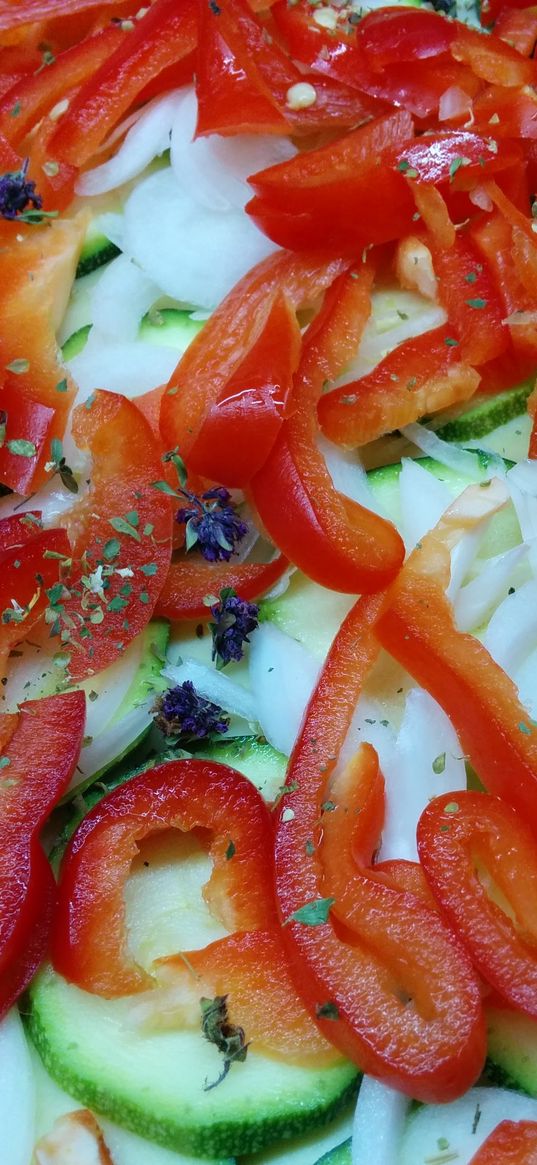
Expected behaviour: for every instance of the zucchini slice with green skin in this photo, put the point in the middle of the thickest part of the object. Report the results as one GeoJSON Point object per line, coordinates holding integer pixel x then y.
{"type": "Point", "coordinates": [512, 1049]}
{"type": "Point", "coordinates": [341, 1155]}
{"type": "Point", "coordinates": [97, 251]}
{"type": "Point", "coordinates": [166, 327]}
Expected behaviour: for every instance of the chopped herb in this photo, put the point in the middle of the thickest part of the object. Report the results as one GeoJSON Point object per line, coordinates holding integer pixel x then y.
{"type": "Point", "coordinates": [309, 847]}
{"type": "Point", "coordinates": [477, 1118]}
{"type": "Point", "coordinates": [228, 1037]}
{"type": "Point", "coordinates": [439, 763]}
{"type": "Point", "coordinates": [58, 465]}
{"type": "Point", "coordinates": [230, 852]}
{"type": "Point", "coordinates": [4, 762]}
{"type": "Point", "coordinates": [451, 807]}
{"type": "Point", "coordinates": [149, 569]}
{"type": "Point", "coordinates": [477, 303]}
{"type": "Point", "coordinates": [21, 448]}
{"type": "Point", "coordinates": [450, 342]}
{"type": "Point", "coordinates": [111, 549]}
{"type": "Point", "coordinates": [123, 526]}
{"type": "Point", "coordinates": [524, 728]}
{"type": "Point", "coordinates": [19, 367]}
{"type": "Point", "coordinates": [62, 385]}
{"type": "Point", "coordinates": [18, 197]}
{"type": "Point", "coordinates": [313, 913]}
{"type": "Point", "coordinates": [327, 1011]}
{"type": "Point", "coordinates": [456, 165]}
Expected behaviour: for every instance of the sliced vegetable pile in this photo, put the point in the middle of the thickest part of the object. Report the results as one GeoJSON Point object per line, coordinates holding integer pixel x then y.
{"type": "Point", "coordinates": [238, 243]}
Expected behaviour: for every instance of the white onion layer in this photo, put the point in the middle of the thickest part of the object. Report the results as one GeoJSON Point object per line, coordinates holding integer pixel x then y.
{"type": "Point", "coordinates": [147, 139]}
{"type": "Point", "coordinates": [463, 1125]}
{"type": "Point", "coordinates": [194, 254]}
{"type": "Point", "coordinates": [378, 1123]}
{"type": "Point", "coordinates": [475, 601]}
{"type": "Point", "coordinates": [512, 631]}
{"type": "Point", "coordinates": [467, 464]}
{"type": "Point", "coordinates": [283, 675]}
{"type": "Point", "coordinates": [111, 744]}
{"type": "Point", "coordinates": [423, 500]}
{"type": "Point", "coordinates": [17, 1091]}
{"type": "Point", "coordinates": [129, 368]}
{"type": "Point", "coordinates": [120, 299]}
{"type": "Point", "coordinates": [348, 474]}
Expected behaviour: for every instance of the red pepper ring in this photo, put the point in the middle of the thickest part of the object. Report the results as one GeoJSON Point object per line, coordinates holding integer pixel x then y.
{"type": "Point", "coordinates": [50, 731]}
{"type": "Point", "coordinates": [466, 842]}
{"type": "Point", "coordinates": [89, 945]}
{"type": "Point", "coordinates": [434, 1054]}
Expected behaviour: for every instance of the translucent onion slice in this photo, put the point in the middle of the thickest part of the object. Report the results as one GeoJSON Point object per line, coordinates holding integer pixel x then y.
{"type": "Point", "coordinates": [396, 316]}
{"type": "Point", "coordinates": [348, 474]}
{"type": "Point", "coordinates": [512, 631]}
{"type": "Point", "coordinates": [120, 299]}
{"type": "Point", "coordinates": [522, 485]}
{"type": "Point", "coordinates": [17, 1091]}
{"type": "Point", "coordinates": [148, 138]}
{"type": "Point", "coordinates": [378, 1123]}
{"type": "Point", "coordinates": [423, 500]}
{"type": "Point", "coordinates": [462, 1126]}
{"type": "Point", "coordinates": [214, 169]}
{"type": "Point", "coordinates": [193, 254]}
{"type": "Point", "coordinates": [283, 675]}
{"type": "Point", "coordinates": [129, 368]}
{"type": "Point", "coordinates": [475, 601]}
{"type": "Point", "coordinates": [111, 745]}
{"type": "Point", "coordinates": [460, 460]}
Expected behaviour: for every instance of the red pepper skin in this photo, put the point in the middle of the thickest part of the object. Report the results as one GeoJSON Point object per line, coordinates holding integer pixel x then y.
{"type": "Point", "coordinates": [126, 463]}
{"type": "Point", "coordinates": [166, 33]}
{"type": "Point", "coordinates": [510, 1143]}
{"type": "Point", "coordinates": [493, 237]}
{"type": "Point", "coordinates": [390, 35]}
{"type": "Point", "coordinates": [189, 581]}
{"type": "Point", "coordinates": [421, 375]}
{"type": "Point", "coordinates": [468, 291]}
{"type": "Point", "coordinates": [332, 539]}
{"type": "Point", "coordinates": [89, 938]}
{"type": "Point", "coordinates": [456, 834]}
{"type": "Point", "coordinates": [19, 529]}
{"type": "Point", "coordinates": [49, 731]}
{"type": "Point", "coordinates": [518, 27]}
{"type": "Point", "coordinates": [219, 349]}
{"type": "Point", "coordinates": [417, 627]}
{"type": "Point", "coordinates": [492, 59]}
{"type": "Point", "coordinates": [25, 575]}
{"type": "Point", "coordinates": [241, 427]}
{"type": "Point", "coordinates": [436, 1061]}
{"type": "Point", "coordinates": [15, 13]}
{"type": "Point", "coordinates": [32, 421]}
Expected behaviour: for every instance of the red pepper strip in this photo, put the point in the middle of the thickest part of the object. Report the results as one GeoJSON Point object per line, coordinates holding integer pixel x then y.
{"type": "Point", "coordinates": [49, 731]}
{"type": "Point", "coordinates": [417, 627]}
{"type": "Point", "coordinates": [36, 95]}
{"type": "Point", "coordinates": [468, 291]}
{"type": "Point", "coordinates": [189, 581]}
{"type": "Point", "coordinates": [491, 59]}
{"type": "Point", "coordinates": [432, 208]}
{"type": "Point", "coordinates": [420, 376]}
{"type": "Point", "coordinates": [467, 841]}
{"type": "Point", "coordinates": [251, 970]}
{"type": "Point", "coordinates": [339, 55]}
{"type": "Point", "coordinates": [532, 411]}
{"type": "Point", "coordinates": [403, 34]}
{"type": "Point", "coordinates": [513, 111]}
{"type": "Point", "coordinates": [219, 349]}
{"type": "Point", "coordinates": [240, 429]}
{"type": "Point", "coordinates": [490, 9]}
{"type": "Point", "coordinates": [375, 1027]}
{"type": "Point", "coordinates": [122, 523]}
{"type": "Point", "coordinates": [14, 13]}
{"type": "Point", "coordinates": [27, 570]}
{"type": "Point", "coordinates": [36, 276]}
{"type": "Point", "coordinates": [89, 943]}
{"type": "Point", "coordinates": [493, 237]}
{"type": "Point", "coordinates": [333, 540]}
{"type": "Point", "coordinates": [240, 64]}
{"type": "Point", "coordinates": [29, 421]}
{"type": "Point", "coordinates": [510, 1143]}
{"type": "Point", "coordinates": [524, 241]}
{"type": "Point", "coordinates": [18, 530]}
{"type": "Point", "coordinates": [166, 34]}
{"type": "Point", "coordinates": [518, 27]}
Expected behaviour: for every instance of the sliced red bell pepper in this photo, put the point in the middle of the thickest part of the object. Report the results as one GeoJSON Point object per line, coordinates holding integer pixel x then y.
{"type": "Point", "coordinates": [391, 35]}
{"type": "Point", "coordinates": [89, 945]}
{"type": "Point", "coordinates": [240, 429]}
{"type": "Point", "coordinates": [332, 539]}
{"type": "Point", "coordinates": [36, 95]}
{"type": "Point", "coordinates": [420, 376]}
{"type": "Point", "coordinates": [532, 410]}
{"type": "Point", "coordinates": [512, 111]}
{"type": "Point", "coordinates": [492, 59]}
{"type": "Point", "coordinates": [490, 9]}
{"type": "Point", "coordinates": [467, 842]}
{"type": "Point", "coordinates": [510, 1143]}
{"type": "Point", "coordinates": [49, 731]}
{"type": "Point", "coordinates": [121, 535]}
{"type": "Point", "coordinates": [468, 291]}
{"type": "Point", "coordinates": [19, 529]}
{"type": "Point", "coordinates": [29, 567]}
{"type": "Point", "coordinates": [417, 627]}
{"type": "Point", "coordinates": [493, 237]}
{"type": "Point", "coordinates": [36, 275]}
{"type": "Point", "coordinates": [518, 27]}
{"type": "Point", "coordinates": [27, 427]}
{"type": "Point", "coordinates": [14, 13]}
{"type": "Point", "coordinates": [219, 349]}
{"type": "Point", "coordinates": [430, 1058]}
{"type": "Point", "coordinates": [190, 580]}
{"type": "Point", "coordinates": [167, 33]}
{"type": "Point", "coordinates": [250, 969]}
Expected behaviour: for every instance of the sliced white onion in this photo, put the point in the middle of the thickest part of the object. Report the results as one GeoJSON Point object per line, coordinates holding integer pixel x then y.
{"type": "Point", "coordinates": [463, 1125]}
{"type": "Point", "coordinates": [462, 557]}
{"type": "Point", "coordinates": [453, 102]}
{"type": "Point", "coordinates": [463, 462]}
{"type": "Point", "coordinates": [426, 762]}
{"type": "Point", "coordinates": [348, 474]}
{"type": "Point", "coordinates": [522, 484]}
{"type": "Point", "coordinates": [281, 586]}
{"type": "Point", "coordinates": [17, 1091]}
{"type": "Point", "coordinates": [512, 631]}
{"type": "Point", "coordinates": [214, 686]}
{"type": "Point", "coordinates": [194, 254]}
{"type": "Point", "coordinates": [481, 198]}
{"type": "Point", "coordinates": [423, 500]}
{"type": "Point", "coordinates": [379, 1121]}
{"type": "Point", "coordinates": [283, 675]}
{"type": "Point", "coordinates": [111, 225]}
{"type": "Point", "coordinates": [370, 724]}
{"type": "Point", "coordinates": [120, 299]}
{"type": "Point", "coordinates": [111, 745]}
{"type": "Point", "coordinates": [214, 169]}
{"type": "Point", "coordinates": [52, 500]}
{"type": "Point", "coordinates": [146, 139]}
{"type": "Point", "coordinates": [129, 368]}
{"type": "Point", "coordinates": [475, 602]}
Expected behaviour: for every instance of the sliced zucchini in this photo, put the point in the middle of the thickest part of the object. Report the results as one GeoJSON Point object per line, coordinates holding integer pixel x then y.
{"type": "Point", "coordinates": [165, 327]}
{"type": "Point", "coordinates": [76, 343]}
{"type": "Point", "coordinates": [485, 415]}
{"type": "Point", "coordinates": [97, 251]}
{"type": "Point", "coordinates": [340, 1155]}
{"type": "Point", "coordinates": [512, 1049]}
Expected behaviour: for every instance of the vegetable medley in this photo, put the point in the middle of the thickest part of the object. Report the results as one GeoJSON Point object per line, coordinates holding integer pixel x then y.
{"type": "Point", "coordinates": [256, 260]}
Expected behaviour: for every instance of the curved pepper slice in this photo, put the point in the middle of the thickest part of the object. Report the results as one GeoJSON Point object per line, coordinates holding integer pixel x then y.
{"type": "Point", "coordinates": [29, 568]}
{"type": "Point", "coordinates": [420, 376]}
{"type": "Point", "coordinates": [121, 535]}
{"type": "Point", "coordinates": [219, 349]}
{"type": "Point", "coordinates": [89, 945]}
{"type": "Point", "coordinates": [432, 1050]}
{"type": "Point", "coordinates": [28, 424]}
{"type": "Point", "coordinates": [417, 627]}
{"type": "Point", "coordinates": [49, 731]}
{"type": "Point", "coordinates": [14, 13]}
{"type": "Point", "coordinates": [189, 581]}
{"type": "Point", "coordinates": [510, 1143]}
{"type": "Point", "coordinates": [466, 842]}
{"type": "Point", "coordinates": [332, 539]}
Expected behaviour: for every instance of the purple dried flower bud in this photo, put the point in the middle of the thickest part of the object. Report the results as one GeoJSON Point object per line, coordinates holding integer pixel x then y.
{"type": "Point", "coordinates": [234, 620]}
{"type": "Point", "coordinates": [182, 713]}
{"type": "Point", "coordinates": [212, 523]}
{"type": "Point", "coordinates": [16, 193]}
